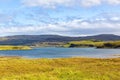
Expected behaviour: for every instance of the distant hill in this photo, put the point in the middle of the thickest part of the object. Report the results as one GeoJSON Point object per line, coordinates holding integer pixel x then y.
{"type": "Point", "coordinates": [29, 39]}
{"type": "Point", "coordinates": [103, 37]}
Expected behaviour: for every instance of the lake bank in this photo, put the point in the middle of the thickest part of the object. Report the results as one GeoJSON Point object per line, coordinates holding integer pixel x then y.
{"type": "Point", "coordinates": [94, 43]}
{"type": "Point", "coordinates": [59, 69]}
{"type": "Point", "coordinates": [11, 47]}
{"type": "Point", "coordinates": [71, 44]}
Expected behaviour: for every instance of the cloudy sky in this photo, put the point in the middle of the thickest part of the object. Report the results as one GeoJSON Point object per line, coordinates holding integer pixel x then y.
{"type": "Point", "coordinates": [62, 17]}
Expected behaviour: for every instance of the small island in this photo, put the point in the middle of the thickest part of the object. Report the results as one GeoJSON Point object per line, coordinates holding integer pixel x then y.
{"type": "Point", "coordinates": [11, 47]}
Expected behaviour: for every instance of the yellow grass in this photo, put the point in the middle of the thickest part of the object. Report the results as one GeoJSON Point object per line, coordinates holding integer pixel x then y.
{"type": "Point", "coordinates": [59, 69]}
{"type": "Point", "coordinates": [97, 44]}
{"type": "Point", "coordinates": [3, 39]}
{"type": "Point", "coordinates": [87, 42]}
{"type": "Point", "coordinates": [7, 47]}
{"type": "Point", "coordinates": [84, 43]}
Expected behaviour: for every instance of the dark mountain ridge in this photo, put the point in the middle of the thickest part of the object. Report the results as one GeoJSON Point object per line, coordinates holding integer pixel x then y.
{"type": "Point", "coordinates": [29, 39]}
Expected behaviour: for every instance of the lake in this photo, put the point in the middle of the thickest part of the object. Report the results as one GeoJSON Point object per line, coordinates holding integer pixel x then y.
{"type": "Point", "coordinates": [51, 52]}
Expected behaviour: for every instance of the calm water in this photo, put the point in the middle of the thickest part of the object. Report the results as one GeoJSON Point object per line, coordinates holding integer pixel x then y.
{"type": "Point", "coordinates": [62, 52]}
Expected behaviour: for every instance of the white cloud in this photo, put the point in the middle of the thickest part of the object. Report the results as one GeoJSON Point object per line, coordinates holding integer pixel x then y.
{"type": "Point", "coordinates": [55, 3]}
{"type": "Point", "coordinates": [114, 2]}
{"type": "Point", "coordinates": [104, 24]}
{"type": "Point", "coordinates": [75, 27]}
{"type": "Point", "coordinates": [48, 3]}
{"type": "Point", "coordinates": [89, 3]}
{"type": "Point", "coordinates": [115, 18]}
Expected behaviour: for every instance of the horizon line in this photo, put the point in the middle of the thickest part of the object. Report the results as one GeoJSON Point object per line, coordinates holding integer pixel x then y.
{"type": "Point", "coordinates": [56, 35]}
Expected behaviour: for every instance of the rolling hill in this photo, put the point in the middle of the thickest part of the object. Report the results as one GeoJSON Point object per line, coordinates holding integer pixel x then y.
{"type": "Point", "coordinates": [29, 39]}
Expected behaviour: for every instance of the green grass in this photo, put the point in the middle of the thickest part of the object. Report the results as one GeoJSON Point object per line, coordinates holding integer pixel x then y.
{"type": "Point", "coordinates": [110, 44]}
{"type": "Point", "coordinates": [92, 43]}
{"type": "Point", "coordinates": [59, 69]}
{"type": "Point", "coordinates": [9, 47]}
{"type": "Point", "coordinates": [84, 43]}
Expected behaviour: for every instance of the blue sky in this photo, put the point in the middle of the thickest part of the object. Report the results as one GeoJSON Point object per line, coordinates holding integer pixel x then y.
{"type": "Point", "coordinates": [61, 17]}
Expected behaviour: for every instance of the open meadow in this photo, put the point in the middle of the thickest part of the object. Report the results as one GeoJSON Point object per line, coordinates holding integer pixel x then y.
{"type": "Point", "coordinates": [16, 68]}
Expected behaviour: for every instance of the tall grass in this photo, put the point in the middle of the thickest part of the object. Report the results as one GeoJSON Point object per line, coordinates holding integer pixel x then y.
{"type": "Point", "coordinates": [59, 69]}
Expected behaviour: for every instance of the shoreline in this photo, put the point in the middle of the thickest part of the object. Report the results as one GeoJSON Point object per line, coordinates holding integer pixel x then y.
{"type": "Point", "coordinates": [20, 57]}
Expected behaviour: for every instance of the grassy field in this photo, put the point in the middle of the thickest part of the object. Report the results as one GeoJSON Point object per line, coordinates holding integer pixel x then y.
{"type": "Point", "coordinates": [59, 69]}
{"type": "Point", "coordinates": [110, 44]}
{"type": "Point", "coordinates": [92, 43]}
{"type": "Point", "coordinates": [8, 47]}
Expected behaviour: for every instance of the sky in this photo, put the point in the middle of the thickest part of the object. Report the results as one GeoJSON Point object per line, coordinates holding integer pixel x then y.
{"type": "Point", "coordinates": [59, 17]}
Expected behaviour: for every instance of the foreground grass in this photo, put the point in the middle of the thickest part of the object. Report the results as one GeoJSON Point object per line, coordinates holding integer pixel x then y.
{"type": "Point", "coordinates": [59, 69]}
{"type": "Point", "coordinates": [9, 47]}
